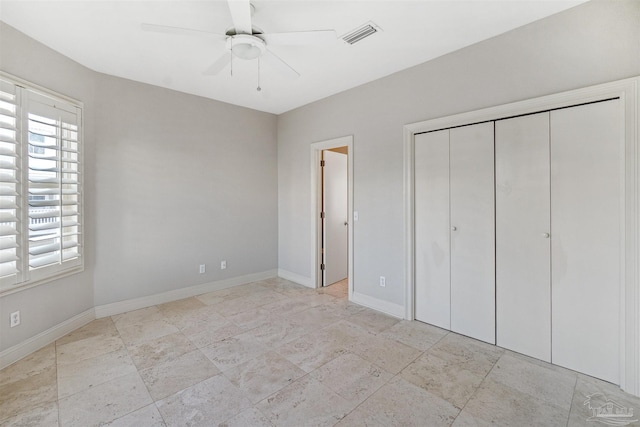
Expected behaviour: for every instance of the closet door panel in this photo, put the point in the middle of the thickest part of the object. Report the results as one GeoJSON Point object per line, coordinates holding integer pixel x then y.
{"type": "Point", "coordinates": [523, 288]}
{"type": "Point", "coordinates": [587, 169]}
{"type": "Point", "coordinates": [472, 231]}
{"type": "Point", "coordinates": [432, 259]}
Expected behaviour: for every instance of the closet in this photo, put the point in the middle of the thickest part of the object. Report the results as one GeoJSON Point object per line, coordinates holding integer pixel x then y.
{"type": "Point", "coordinates": [519, 233]}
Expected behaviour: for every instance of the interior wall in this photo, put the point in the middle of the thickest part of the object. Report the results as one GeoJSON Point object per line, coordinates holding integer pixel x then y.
{"type": "Point", "coordinates": [593, 43]}
{"type": "Point", "coordinates": [45, 306]}
{"type": "Point", "coordinates": [181, 181]}
{"type": "Point", "coordinates": [172, 181]}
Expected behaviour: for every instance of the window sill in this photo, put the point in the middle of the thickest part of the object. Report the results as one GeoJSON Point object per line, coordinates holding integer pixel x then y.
{"type": "Point", "coordinates": [29, 285]}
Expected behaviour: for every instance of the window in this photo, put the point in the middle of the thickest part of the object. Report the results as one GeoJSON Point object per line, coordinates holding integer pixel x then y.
{"type": "Point", "coordinates": [40, 185]}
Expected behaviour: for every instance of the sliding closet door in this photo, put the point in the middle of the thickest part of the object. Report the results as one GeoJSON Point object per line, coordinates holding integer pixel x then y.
{"type": "Point", "coordinates": [472, 222]}
{"type": "Point", "coordinates": [432, 228]}
{"type": "Point", "coordinates": [587, 166]}
{"type": "Point", "coordinates": [523, 288]}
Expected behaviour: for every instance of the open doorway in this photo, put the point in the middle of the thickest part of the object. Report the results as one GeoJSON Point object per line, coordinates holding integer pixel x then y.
{"type": "Point", "coordinates": [332, 201]}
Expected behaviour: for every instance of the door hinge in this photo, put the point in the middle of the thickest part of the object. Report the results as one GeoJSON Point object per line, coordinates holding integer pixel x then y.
{"type": "Point", "coordinates": [321, 163]}
{"type": "Point", "coordinates": [322, 267]}
{"type": "Point", "coordinates": [322, 215]}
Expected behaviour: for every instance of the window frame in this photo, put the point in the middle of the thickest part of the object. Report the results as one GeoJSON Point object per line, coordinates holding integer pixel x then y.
{"type": "Point", "coordinates": [28, 277]}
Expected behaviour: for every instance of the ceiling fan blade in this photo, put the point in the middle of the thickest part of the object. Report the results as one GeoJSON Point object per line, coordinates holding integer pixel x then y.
{"type": "Point", "coordinates": [321, 37]}
{"type": "Point", "coordinates": [178, 30]}
{"type": "Point", "coordinates": [241, 15]}
{"type": "Point", "coordinates": [218, 65]}
{"type": "Point", "coordinates": [282, 67]}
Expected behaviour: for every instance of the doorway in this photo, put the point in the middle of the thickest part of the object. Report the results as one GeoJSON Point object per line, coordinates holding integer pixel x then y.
{"type": "Point", "coordinates": [332, 207]}
{"type": "Point", "coordinates": [334, 215]}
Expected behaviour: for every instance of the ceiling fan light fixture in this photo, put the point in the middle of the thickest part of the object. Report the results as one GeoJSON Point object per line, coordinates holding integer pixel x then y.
{"type": "Point", "coordinates": [245, 46]}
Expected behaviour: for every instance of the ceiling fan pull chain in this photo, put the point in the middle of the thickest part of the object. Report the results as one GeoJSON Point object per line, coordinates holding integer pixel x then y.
{"type": "Point", "coordinates": [258, 88]}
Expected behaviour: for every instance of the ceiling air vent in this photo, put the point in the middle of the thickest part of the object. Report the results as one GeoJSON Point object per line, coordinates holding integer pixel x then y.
{"type": "Point", "coordinates": [361, 32]}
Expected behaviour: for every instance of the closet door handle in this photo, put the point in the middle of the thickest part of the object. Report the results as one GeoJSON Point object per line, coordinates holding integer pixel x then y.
{"type": "Point", "coordinates": [454, 228]}
{"type": "Point", "coordinates": [546, 235]}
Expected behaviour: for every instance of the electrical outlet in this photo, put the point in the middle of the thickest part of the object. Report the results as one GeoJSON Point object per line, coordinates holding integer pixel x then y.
{"type": "Point", "coordinates": [203, 268]}
{"type": "Point", "coordinates": [383, 281]}
{"type": "Point", "coordinates": [15, 318]}
{"type": "Point", "coordinates": [223, 264]}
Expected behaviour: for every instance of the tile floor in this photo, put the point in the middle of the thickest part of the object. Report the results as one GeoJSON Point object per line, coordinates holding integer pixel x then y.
{"type": "Point", "coordinates": [273, 353]}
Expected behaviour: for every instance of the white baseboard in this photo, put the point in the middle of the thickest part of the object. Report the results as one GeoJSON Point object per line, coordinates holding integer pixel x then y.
{"type": "Point", "coordinates": [295, 278]}
{"type": "Point", "coordinates": [17, 352]}
{"type": "Point", "coordinates": [151, 300]}
{"type": "Point", "coordinates": [386, 307]}
{"type": "Point", "coordinates": [25, 348]}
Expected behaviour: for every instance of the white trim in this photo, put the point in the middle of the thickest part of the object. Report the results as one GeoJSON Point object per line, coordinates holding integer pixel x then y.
{"type": "Point", "coordinates": [40, 89]}
{"type": "Point", "coordinates": [549, 102]}
{"type": "Point", "coordinates": [627, 91]}
{"type": "Point", "coordinates": [62, 274]}
{"type": "Point", "coordinates": [295, 278]}
{"type": "Point", "coordinates": [386, 307]}
{"type": "Point", "coordinates": [316, 149]}
{"type": "Point", "coordinates": [177, 294]}
{"type": "Point", "coordinates": [409, 225]}
{"type": "Point", "coordinates": [35, 343]}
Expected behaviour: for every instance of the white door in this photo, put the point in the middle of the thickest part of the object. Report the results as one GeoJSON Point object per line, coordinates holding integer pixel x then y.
{"type": "Point", "coordinates": [587, 194]}
{"type": "Point", "coordinates": [523, 288]}
{"type": "Point", "coordinates": [432, 279]}
{"type": "Point", "coordinates": [335, 221]}
{"type": "Point", "coordinates": [472, 225]}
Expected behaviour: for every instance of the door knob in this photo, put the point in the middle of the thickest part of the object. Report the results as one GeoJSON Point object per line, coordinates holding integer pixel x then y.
{"type": "Point", "coordinates": [454, 228]}
{"type": "Point", "coordinates": [346, 223]}
{"type": "Point", "coordinates": [545, 235]}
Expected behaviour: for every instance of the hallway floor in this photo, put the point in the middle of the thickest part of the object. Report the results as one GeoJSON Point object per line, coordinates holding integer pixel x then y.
{"type": "Point", "coordinates": [273, 353]}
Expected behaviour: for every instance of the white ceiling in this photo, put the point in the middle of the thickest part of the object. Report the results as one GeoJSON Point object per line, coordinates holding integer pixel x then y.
{"type": "Point", "coordinates": [106, 36]}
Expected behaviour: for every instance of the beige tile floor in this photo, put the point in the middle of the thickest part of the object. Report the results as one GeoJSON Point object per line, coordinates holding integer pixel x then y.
{"type": "Point", "coordinates": [273, 353]}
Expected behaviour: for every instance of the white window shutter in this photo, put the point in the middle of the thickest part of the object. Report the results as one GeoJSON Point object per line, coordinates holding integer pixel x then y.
{"type": "Point", "coordinates": [40, 185]}
{"type": "Point", "coordinates": [53, 184]}
{"type": "Point", "coordinates": [9, 184]}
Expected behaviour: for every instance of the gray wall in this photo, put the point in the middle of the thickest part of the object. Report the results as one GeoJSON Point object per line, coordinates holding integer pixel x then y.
{"type": "Point", "coordinates": [592, 43]}
{"type": "Point", "coordinates": [44, 306]}
{"type": "Point", "coordinates": [171, 181]}
{"type": "Point", "coordinates": [181, 181]}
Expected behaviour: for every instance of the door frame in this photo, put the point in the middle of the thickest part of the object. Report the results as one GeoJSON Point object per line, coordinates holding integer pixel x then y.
{"type": "Point", "coordinates": [316, 204]}
{"type": "Point", "coordinates": [627, 91]}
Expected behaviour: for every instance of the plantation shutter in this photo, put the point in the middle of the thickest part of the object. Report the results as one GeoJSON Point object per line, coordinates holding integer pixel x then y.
{"type": "Point", "coordinates": [53, 184]}
{"type": "Point", "coordinates": [9, 184]}
{"type": "Point", "coordinates": [40, 185]}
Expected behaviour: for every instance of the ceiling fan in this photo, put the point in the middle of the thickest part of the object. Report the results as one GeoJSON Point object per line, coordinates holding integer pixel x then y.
{"type": "Point", "coordinates": [245, 41]}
